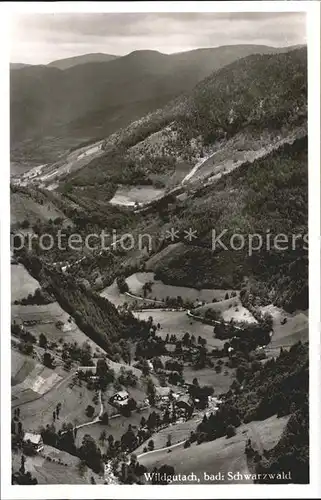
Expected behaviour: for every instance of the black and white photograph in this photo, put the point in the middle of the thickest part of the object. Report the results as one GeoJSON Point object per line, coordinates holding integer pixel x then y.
{"type": "Point", "coordinates": [160, 327]}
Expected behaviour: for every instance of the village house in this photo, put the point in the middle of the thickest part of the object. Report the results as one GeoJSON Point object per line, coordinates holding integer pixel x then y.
{"type": "Point", "coordinates": [119, 399]}
{"type": "Point", "coordinates": [35, 440]}
{"type": "Point", "coordinates": [162, 393]}
{"type": "Point", "coordinates": [186, 404]}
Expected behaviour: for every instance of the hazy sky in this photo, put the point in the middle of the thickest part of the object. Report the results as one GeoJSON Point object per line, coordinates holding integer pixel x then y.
{"type": "Point", "coordinates": [41, 38]}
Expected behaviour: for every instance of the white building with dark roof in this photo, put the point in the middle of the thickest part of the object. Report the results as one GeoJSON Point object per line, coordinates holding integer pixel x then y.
{"type": "Point", "coordinates": [34, 439]}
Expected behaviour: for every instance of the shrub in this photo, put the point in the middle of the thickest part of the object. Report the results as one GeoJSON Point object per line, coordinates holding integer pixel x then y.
{"type": "Point", "coordinates": [90, 410]}
{"type": "Point", "coordinates": [230, 431]}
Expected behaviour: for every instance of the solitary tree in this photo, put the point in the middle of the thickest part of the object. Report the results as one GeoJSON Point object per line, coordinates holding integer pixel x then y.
{"type": "Point", "coordinates": [43, 342]}
{"type": "Point", "coordinates": [48, 360]}
{"type": "Point", "coordinates": [230, 431]}
{"type": "Point", "coordinates": [90, 410]}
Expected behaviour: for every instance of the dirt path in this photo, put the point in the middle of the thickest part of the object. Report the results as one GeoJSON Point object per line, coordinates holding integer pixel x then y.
{"type": "Point", "coordinates": [129, 294]}
{"type": "Point", "coordinates": [162, 449]}
{"type": "Point", "coordinates": [196, 167]}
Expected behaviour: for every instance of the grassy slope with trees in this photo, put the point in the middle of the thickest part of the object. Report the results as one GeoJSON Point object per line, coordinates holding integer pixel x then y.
{"type": "Point", "coordinates": [280, 386]}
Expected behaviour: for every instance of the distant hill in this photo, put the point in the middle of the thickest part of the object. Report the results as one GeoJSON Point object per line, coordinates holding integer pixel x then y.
{"type": "Point", "coordinates": [257, 93]}
{"type": "Point", "coordinates": [70, 62]}
{"type": "Point", "coordinates": [94, 99]}
{"type": "Point", "coordinates": [18, 65]}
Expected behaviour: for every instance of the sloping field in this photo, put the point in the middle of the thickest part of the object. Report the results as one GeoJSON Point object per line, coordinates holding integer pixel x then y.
{"type": "Point", "coordinates": [74, 401]}
{"type": "Point", "coordinates": [177, 432]}
{"type": "Point", "coordinates": [22, 283]}
{"type": "Point", "coordinates": [230, 309]}
{"type": "Point", "coordinates": [130, 195]}
{"type": "Point", "coordinates": [208, 376]}
{"type": "Point", "coordinates": [21, 366]}
{"type": "Point", "coordinates": [30, 379]}
{"type": "Point", "coordinates": [45, 318]}
{"type": "Point", "coordinates": [39, 380]}
{"type": "Point", "coordinates": [172, 178]}
{"type": "Point", "coordinates": [240, 149]}
{"type": "Point", "coordinates": [62, 468]}
{"type": "Point", "coordinates": [161, 291]}
{"type": "Point", "coordinates": [178, 323]}
{"type": "Point", "coordinates": [43, 314]}
{"type": "Point", "coordinates": [153, 261]}
{"type": "Point", "coordinates": [117, 427]}
{"type": "Point", "coordinates": [113, 295]}
{"type": "Point", "coordinates": [24, 207]}
{"type": "Point", "coordinates": [222, 455]}
{"type": "Point", "coordinates": [296, 328]}
{"type": "Point", "coordinates": [117, 367]}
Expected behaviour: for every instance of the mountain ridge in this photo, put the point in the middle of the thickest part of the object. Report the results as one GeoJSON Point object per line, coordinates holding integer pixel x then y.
{"type": "Point", "coordinates": [95, 99]}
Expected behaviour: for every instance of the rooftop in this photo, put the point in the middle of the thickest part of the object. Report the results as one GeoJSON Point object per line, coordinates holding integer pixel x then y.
{"type": "Point", "coordinates": [33, 438]}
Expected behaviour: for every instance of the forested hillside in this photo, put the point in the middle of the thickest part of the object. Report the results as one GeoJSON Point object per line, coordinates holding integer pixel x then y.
{"type": "Point", "coordinates": [268, 196]}
{"type": "Point", "coordinates": [57, 104]}
{"type": "Point", "coordinates": [259, 94]}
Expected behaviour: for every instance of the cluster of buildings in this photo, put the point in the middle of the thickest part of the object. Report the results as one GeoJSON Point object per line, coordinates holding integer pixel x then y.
{"type": "Point", "coordinates": [183, 402]}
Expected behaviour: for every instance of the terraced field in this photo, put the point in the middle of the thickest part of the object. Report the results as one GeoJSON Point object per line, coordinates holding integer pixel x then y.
{"type": "Point", "coordinates": [30, 379]}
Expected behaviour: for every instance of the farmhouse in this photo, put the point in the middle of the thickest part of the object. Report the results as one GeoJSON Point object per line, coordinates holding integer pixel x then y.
{"type": "Point", "coordinates": [85, 369]}
{"type": "Point", "coordinates": [162, 392]}
{"type": "Point", "coordinates": [120, 398]}
{"type": "Point", "coordinates": [90, 371]}
{"type": "Point", "coordinates": [34, 439]}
